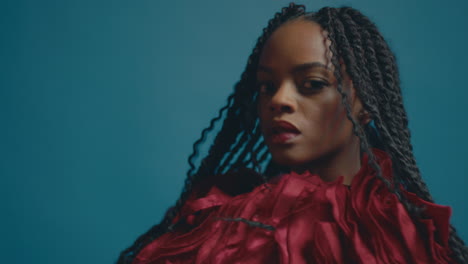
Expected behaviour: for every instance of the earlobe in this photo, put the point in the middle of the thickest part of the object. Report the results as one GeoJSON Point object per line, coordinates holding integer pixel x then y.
{"type": "Point", "coordinates": [364, 117]}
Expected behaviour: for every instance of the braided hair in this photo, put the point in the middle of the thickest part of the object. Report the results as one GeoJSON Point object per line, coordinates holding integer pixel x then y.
{"type": "Point", "coordinates": [372, 67]}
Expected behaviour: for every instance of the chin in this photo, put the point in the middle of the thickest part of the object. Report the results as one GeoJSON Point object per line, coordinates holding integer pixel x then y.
{"type": "Point", "coordinates": [289, 159]}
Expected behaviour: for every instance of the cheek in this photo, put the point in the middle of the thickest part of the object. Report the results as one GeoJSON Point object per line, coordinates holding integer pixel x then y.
{"type": "Point", "coordinates": [328, 120]}
{"type": "Point", "coordinates": [328, 113]}
{"type": "Point", "coordinates": [340, 126]}
{"type": "Point", "coordinates": [261, 106]}
{"type": "Point", "coordinates": [337, 117]}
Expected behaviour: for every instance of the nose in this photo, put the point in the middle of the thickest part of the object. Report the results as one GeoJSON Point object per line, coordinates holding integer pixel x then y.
{"type": "Point", "coordinates": [283, 100]}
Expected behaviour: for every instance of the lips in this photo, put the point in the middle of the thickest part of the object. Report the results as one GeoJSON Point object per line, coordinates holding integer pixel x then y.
{"type": "Point", "coordinates": [282, 132]}
{"type": "Point", "coordinates": [283, 126]}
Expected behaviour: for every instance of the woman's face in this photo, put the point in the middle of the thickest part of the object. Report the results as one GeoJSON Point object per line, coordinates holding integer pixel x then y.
{"type": "Point", "coordinates": [302, 117]}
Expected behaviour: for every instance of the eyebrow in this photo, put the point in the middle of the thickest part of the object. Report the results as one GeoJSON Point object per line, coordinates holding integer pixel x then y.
{"type": "Point", "coordinates": [297, 68]}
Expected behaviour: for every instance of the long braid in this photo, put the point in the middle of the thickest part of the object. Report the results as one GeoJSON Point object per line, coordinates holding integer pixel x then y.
{"type": "Point", "coordinates": [226, 162]}
{"type": "Point", "coordinates": [337, 34]}
{"type": "Point", "coordinates": [387, 64]}
{"type": "Point", "coordinates": [372, 67]}
{"type": "Point", "coordinates": [378, 80]}
{"type": "Point", "coordinates": [238, 103]}
{"type": "Point", "coordinates": [127, 255]}
{"type": "Point", "coordinates": [392, 102]}
{"type": "Point", "coordinates": [248, 150]}
{"type": "Point", "coordinates": [326, 17]}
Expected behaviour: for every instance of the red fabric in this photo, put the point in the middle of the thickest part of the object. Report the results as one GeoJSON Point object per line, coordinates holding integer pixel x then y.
{"type": "Point", "coordinates": [313, 221]}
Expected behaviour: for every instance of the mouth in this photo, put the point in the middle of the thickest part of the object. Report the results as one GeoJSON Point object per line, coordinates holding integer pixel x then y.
{"type": "Point", "coordinates": [282, 132]}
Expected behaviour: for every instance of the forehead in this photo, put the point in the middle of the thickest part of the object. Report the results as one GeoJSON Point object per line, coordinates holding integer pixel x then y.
{"type": "Point", "coordinates": [296, 42]}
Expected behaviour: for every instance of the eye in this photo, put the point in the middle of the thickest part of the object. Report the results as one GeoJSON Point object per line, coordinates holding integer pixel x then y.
{"type": "Point", "coordinates": [313, 85]}
{"type": "Point", "coordinates": [265, 87]}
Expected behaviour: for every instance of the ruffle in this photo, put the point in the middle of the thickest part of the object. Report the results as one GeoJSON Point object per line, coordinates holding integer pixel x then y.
{"type": "Point", "coordinates": [302, 219]}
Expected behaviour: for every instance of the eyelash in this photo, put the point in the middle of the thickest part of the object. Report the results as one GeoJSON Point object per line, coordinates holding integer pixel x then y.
{"type": "Point", "coordinates": [315, 86]}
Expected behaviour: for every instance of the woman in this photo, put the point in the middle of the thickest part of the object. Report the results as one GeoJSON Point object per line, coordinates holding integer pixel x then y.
{"type": "Point", "coordinates": [320, 104]}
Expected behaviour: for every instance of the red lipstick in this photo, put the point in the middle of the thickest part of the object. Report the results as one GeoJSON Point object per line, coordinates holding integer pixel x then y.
{"type": "Point", "coordinates": [282, 132]}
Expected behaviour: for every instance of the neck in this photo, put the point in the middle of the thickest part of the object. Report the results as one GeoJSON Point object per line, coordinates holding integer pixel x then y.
{"type": "Point", "coordinates": [343, 162]}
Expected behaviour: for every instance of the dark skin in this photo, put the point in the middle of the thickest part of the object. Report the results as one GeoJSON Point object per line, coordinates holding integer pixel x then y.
{"type": "Point", "coordinates": [296, 84]}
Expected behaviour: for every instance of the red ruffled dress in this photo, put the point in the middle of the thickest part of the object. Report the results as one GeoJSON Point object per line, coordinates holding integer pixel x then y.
{"type": "Point", "coordinates": [302, 219]}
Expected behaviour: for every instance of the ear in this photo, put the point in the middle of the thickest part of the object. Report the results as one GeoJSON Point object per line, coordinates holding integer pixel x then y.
{"type": "Point", "coordinates": [364, 117]}
{"type": "Point", "coordinates": [359, 113]}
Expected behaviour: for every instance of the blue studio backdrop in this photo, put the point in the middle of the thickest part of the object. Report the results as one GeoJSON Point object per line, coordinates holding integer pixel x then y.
{"type": "Point", "coordinates": [101, 101]}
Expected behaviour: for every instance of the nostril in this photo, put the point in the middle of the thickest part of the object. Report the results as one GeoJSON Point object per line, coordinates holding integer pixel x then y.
{"type": "Point", "coordinates": [281, 108]}
{"type": "Point", "coordinates": [286, 108]}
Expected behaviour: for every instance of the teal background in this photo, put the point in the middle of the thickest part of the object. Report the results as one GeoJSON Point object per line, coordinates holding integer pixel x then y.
{"type": "Point", "coordinates": [101, 101]}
